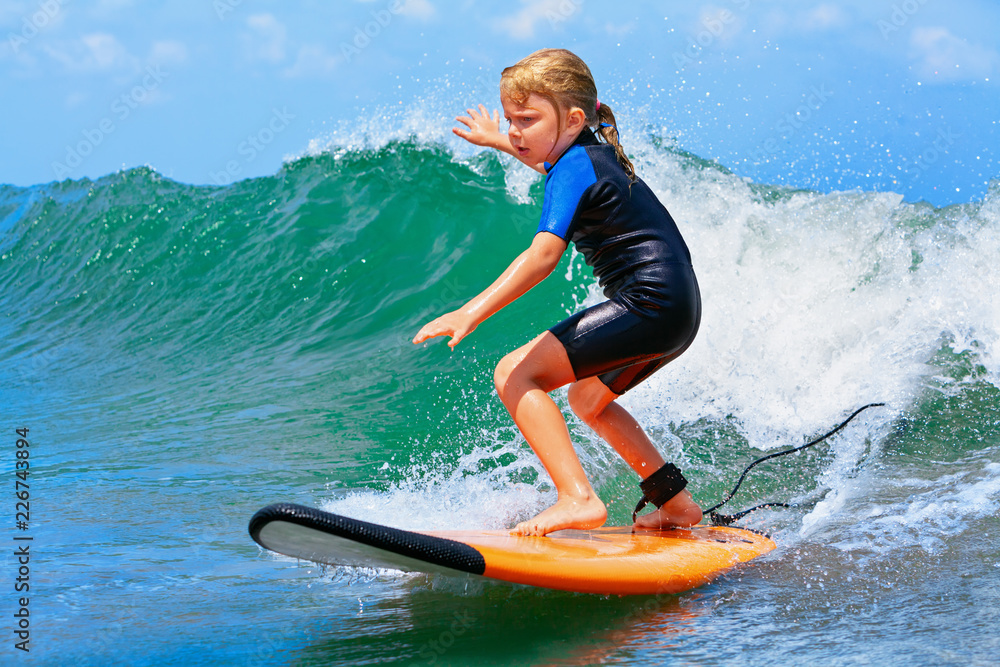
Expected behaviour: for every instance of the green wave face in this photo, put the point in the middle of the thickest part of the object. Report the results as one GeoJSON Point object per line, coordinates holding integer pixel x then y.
{"type": "Point", "coordinates": [274, 316]}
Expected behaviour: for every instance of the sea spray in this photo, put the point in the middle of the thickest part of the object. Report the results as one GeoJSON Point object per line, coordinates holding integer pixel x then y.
{"type": "Point", "coordinates": [306, 286]}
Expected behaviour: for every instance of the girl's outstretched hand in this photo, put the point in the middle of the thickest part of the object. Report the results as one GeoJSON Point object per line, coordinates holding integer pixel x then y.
{"type": "Point", "coordinates": [456, 324]}
{"type": "Point", "coordinates": [483, 128]}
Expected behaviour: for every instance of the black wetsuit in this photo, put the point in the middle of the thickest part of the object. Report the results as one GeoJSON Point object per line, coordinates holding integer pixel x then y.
{"type": "Point", "coordinates": [639, 259]}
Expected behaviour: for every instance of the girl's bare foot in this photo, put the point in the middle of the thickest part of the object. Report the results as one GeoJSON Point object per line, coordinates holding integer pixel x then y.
{"type": "Point", "coordinates": [678, 512]}
{"type": "Point", "coordinates": [568, 512]}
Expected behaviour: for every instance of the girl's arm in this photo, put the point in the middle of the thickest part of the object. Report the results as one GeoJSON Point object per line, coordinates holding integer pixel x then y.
{"type": "Point", "coordinates": [529, 269]}
{"type": "Point", "coordinates": [484, 130]}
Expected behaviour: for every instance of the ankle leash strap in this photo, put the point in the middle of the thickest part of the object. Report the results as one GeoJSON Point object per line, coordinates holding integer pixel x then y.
{"type": "Point", "coordinates": [660, 487]}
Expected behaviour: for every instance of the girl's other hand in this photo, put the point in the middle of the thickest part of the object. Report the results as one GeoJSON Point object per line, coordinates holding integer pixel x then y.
{"type": "Point", "coordinates": [456, 324]}
{"type": "Point", "coordinates": [483, 128]}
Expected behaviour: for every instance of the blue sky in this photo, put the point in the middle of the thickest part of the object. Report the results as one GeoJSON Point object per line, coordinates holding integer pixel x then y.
{"type": "Point", "coordinates": [889, 95]}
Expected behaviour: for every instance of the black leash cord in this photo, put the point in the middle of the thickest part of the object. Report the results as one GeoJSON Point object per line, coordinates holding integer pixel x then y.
{"type": "Point", "coordinates": [725, 520]}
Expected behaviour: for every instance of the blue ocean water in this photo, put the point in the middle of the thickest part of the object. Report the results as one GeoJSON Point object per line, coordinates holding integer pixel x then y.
{"type": "Point", "coordinates": [183, 355]}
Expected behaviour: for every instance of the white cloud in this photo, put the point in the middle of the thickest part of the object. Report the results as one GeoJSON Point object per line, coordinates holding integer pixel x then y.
{"type": "Point", "coordinates": [168, 52]}
{"type": "Point", "coordinates": [523, 24]}
{"type": "Point", "coordinates": [105, 50]}
{"type": "Point", "coordinates": [93, 52]}
{"type": "Point", "coordinates": [419, 9]}
{"type": "Point", "coordinates": [28, 18]}
{"type": "Point", "coordinates": [619, 30]}
{"type": "Point", "coordinates": [313, 61]}
{"type": "Point", "coordinates": [716, 25]}
{"type": "Point", "coordinates": [268, 38]}
{"type": "Point", "coordinates": [75, 99]}
{"type": "Point", "coordinates": [825, 17]}
{"type": "Point", "coordinates": [113, 6]}
{"type": "Point", "coordinates": [941, 56]}
{"type": "Point", "coordinates": [791, 20]}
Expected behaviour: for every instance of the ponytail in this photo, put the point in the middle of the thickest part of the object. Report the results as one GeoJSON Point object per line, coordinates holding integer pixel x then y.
{"type": "Point", "coordinates": [608, 130]}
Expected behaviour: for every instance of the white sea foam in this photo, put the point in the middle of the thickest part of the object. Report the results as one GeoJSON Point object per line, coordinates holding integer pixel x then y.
{"type": "Point", "coordinates": [461, 497]}
{"type": "Point", "coordinates": [814, 304]}
{"type": "Point", "coordinates": [924, 513]}
{"type": "Point", "coordinates": [818, 303]}
{"type": "Point", "coordinates": [466, 503]}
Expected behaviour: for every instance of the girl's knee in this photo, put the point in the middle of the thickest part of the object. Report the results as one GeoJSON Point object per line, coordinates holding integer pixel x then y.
{"type": "Point", "coordinates": [584, 403]}
{"type": "Point", "coordinates": [502, 373]}
{"type": "Point", "coordinates": [536, 365]}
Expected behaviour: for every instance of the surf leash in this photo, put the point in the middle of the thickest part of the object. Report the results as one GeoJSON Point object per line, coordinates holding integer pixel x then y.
{"type": "Point", "coordinates": [726, 519]}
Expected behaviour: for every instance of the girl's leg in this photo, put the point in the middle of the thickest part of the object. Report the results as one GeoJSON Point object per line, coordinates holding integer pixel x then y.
{"type": "Point", "coordinates": [594, 403]}
{"type": "Point", "coordinates": [523, 379]}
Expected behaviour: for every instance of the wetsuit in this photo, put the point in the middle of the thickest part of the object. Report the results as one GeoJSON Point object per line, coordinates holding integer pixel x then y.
{"type": "Point", "coordinates": [639, 259]}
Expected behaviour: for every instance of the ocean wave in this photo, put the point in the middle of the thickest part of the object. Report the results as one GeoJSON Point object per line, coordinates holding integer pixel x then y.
{"type": "Point", "coordinates": [310, 282]}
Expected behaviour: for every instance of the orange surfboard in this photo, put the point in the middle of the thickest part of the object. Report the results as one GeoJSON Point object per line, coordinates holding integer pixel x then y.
{"type": "Point", "coordinates": [607, 561]}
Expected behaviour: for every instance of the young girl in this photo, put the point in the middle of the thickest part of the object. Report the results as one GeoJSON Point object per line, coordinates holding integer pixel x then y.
{"type": "Point", "coordinates": [594, 199]}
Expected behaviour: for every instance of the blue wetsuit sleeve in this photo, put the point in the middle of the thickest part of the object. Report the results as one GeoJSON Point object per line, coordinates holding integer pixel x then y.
{"type": "Point", "coordinates": [564, 188]}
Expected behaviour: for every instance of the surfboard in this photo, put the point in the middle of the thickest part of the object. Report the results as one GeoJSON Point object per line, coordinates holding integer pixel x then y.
{"type": "Point", "coordinates": [607, 561]}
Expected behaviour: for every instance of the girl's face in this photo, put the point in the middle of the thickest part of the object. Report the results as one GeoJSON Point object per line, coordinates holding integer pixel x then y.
{"type": "Point", "coordinates": [537, 132]}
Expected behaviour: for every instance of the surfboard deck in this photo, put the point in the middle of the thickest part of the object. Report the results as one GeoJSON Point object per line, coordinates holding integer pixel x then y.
{"type": "Point", "coordinates": [607, 561]}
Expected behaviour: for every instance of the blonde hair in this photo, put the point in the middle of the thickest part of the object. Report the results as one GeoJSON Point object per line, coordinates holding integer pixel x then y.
{"type": "Point", "coordinates": [563, 79]}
